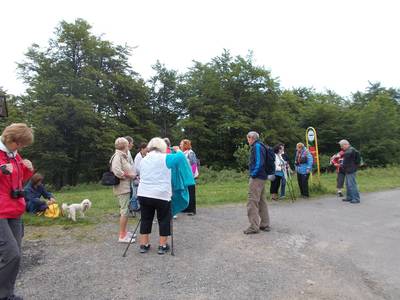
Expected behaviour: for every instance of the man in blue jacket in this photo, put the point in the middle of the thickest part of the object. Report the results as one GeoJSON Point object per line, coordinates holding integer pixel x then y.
{"type": "Point", "coordinates": [257, 210]}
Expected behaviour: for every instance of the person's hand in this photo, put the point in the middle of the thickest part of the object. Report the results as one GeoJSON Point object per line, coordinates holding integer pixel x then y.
{"type": "Point", "coordinates": [28, 164]}
{"type": "Point", "coordinates": [7, 169]}
{"type": "Point", "coordinates": [52, 200]}
{"type": "Point", "coordinates": [176, 148]}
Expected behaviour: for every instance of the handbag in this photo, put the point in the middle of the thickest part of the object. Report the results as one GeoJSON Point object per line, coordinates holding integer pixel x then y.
{"type": "Point", "coordinates": [108, 178]}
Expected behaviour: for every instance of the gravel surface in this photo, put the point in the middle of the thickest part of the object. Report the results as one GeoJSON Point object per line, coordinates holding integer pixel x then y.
{"type": "Point", "coordinates": [317, 249]}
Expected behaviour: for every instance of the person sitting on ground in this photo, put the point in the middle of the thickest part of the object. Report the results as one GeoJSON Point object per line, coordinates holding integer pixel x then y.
{"type": "Point", "coordinates": [155, 191]}
{"type": "Point", "coordinates": [34, 190]}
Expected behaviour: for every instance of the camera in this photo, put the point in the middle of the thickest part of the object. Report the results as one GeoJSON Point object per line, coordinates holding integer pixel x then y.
{"type": "Point", "coordinates": [15, 194]}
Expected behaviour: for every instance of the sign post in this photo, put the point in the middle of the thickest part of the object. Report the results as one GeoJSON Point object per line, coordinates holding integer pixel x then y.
{"type": "Point", "coordinates": [312, 146]}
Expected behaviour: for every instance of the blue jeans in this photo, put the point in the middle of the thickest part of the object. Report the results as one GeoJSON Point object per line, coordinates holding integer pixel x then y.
{"type": "Point", "coordinates": [352, 193]}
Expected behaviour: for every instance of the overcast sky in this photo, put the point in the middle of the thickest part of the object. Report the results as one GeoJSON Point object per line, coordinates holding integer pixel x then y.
{"type": "Point", "coordinates": [338, 45]}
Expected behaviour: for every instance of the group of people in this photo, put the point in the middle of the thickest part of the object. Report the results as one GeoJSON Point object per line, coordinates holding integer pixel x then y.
{"type": "Point", "coordinates": [156, 174]}
{"type": "Point", "coordinates": [272, 164]}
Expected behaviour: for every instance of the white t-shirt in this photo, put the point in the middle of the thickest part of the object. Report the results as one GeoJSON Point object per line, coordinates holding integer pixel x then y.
{"type": "Point", "coordinates": [155, 177]}
{"type": "Point", "coordinates": [138, 159]}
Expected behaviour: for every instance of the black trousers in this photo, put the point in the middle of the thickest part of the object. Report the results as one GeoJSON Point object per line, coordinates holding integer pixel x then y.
{"type": "Point", "coordinates": [302, 179]}
{"type": "Point", "coordinates": [11, 232]}
{"type": "Point", "coordinates": [148, 207]}
{"type": "Point", "coordinates": [275, 185]}
{"type": "Point", "coordinates": [192, 200]}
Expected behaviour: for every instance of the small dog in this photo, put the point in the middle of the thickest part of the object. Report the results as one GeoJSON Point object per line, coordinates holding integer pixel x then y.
{"type": "Point", "coordinates": [70, 210]}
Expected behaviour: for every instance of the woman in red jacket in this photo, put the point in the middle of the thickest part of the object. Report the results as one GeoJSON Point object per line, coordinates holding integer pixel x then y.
{"type": "Point", "coordinates": [14, 171]}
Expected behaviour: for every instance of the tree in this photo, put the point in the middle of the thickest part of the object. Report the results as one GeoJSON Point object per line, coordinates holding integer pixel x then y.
{"type": "Point", "coordinates": [82, 95]}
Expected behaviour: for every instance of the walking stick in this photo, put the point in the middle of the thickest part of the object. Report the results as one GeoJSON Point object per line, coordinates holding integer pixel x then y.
{"type": "Point", "coordinates": [290, 187]}
{"type": "Point", "coordinates": [132, 237]}
{"type": "Point", "coordinates": [172, 233]}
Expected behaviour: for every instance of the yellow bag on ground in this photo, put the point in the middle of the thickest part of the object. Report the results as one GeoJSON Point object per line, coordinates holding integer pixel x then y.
{"type": "Point", "coordinates": [53, 211]}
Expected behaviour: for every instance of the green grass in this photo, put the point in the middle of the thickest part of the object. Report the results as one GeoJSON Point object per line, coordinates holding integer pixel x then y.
{"type": "Point", "coordinates": [214, 187]}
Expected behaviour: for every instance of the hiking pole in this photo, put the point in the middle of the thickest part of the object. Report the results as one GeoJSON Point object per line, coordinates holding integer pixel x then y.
{"type": "Point", "coordinates": [172, 234]}
{"type": "Point", "coordinates": [132, 237]}
{"type": "Point", "coordinates": [290, 187]}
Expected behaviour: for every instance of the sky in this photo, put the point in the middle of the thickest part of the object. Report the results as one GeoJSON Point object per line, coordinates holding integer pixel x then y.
{"type": "Point", "coordinates": [339, 45]}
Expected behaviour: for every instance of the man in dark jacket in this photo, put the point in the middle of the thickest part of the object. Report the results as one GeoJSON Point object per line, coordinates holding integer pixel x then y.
{"type": "Point", "coordinates": [257, 210]}
{"type": "Point", "coordinates": [351, 162]}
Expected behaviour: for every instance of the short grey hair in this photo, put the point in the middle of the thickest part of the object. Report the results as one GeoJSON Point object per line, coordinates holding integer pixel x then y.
{"type": "Point", "coordinates": [157, 144]}
{"type": "Point", "coordinates": [121, 143]}
{"type": "Point", "coordinates": [254, 135]}
{"type": "Point", "coordinates": [129, 139]}
{"type": "Point", "coordinates": [344, 142]}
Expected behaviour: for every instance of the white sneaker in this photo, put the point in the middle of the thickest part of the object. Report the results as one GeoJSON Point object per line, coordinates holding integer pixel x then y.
{"type": "Point", "coordinates": [127, 239]}
{"type": "Point", "coordinates": [130, 234]}
{"type": "Point", "coordinates": [175, 217]}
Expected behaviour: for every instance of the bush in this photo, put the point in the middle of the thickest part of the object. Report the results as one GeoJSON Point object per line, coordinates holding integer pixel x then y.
{"type": "Point", "coordinates": [209, 175]}
{"type": "Point", "coordinates": [241, 155]}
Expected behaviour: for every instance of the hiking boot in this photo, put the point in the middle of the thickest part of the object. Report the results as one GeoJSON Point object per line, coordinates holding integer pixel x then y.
{"type": "Point", "coordinates": [163, 249]}
{"type": "Point", "coordinates": [144, 248]}
{"type": "Point", "coordinates": [266, 228]}
{"type": "Point", "coordinates": [251, 230]}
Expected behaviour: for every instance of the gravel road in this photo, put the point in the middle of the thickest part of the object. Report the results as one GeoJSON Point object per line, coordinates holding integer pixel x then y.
{"type": "Point", "coordinates": [317, 249]}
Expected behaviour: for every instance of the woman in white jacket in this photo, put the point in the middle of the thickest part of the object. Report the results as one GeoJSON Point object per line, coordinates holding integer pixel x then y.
{"type": "Point", "coordinates": [279, 174]}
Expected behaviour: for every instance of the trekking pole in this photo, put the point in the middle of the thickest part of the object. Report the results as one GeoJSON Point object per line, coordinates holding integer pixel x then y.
{"type": "Point", "coordinates": [132, 237]}
{"type": "Point", "coordinates": [290, 187]}
{"type": "Point", "coordinates": [172, 234]}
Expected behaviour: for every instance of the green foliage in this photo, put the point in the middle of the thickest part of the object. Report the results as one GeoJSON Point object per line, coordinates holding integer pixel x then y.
{"type": "Point", "coordinates": [83, 94]}
{"type": "Point", "coordinates": [242, 157]}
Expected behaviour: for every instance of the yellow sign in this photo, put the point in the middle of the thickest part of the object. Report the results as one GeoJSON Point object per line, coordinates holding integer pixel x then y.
{"type": "Point", "coordinates": [312, 146]}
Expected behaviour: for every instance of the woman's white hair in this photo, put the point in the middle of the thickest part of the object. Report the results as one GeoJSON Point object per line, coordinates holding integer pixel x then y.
{"type": "Point", "coordinates": [157, 144]}
{"type": "Point", "coordinates": [121, 143]}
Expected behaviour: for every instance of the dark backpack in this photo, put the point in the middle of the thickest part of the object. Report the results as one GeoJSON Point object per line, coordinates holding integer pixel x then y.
{"type": "Point", "coordinates": [269, 161]}
{"type": "Point", "coordinates": [357, 157]}
{"type": "Point", "coordinates": [108, 178]}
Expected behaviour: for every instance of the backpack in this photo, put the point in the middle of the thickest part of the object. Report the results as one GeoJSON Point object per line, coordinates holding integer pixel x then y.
{"type": "Point", "coordinates": [108, 178]}
{"type": "Point", "coordinates": [357, 157]}
{"type": "Point", "coordinates": [53, 211]}
{"type": "Point", "coordinates": [269, 161]}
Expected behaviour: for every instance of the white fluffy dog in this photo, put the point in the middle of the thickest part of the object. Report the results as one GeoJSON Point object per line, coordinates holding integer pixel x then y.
{"type": "Point", "coordinates": [71, 210]}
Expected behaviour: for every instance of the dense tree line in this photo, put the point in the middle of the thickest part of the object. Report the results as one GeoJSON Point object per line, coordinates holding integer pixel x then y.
{"type": "Point", "coordinates": [83, 94]}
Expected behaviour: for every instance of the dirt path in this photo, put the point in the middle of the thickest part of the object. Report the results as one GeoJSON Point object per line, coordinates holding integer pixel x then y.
{"type": "Point", "coordinates": [318, 249]}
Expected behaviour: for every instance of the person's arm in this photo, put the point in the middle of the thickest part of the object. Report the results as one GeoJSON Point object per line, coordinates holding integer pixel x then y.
{"type": "Point", "coordinates": [27, 170]}
{"type": "Point", "coordinates": [46, 194]}
{"type": "Point", "coordinates": [173, 159]}
{"type": "Point", "coordinates": [257, 160]}
{"type": "Point", "coordinates": [116, 167]}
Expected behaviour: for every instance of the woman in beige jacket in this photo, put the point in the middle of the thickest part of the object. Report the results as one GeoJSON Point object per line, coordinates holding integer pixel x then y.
{"type": "Point", "coordinates": [122, 169]}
